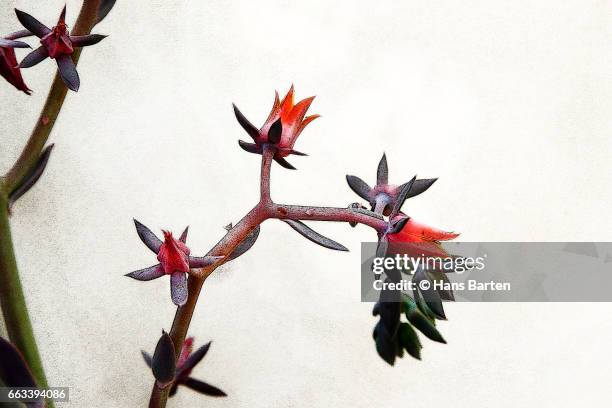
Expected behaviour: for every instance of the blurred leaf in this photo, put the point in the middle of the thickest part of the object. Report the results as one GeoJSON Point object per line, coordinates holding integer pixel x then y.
{"type": "Point", "coordinates": [204, 388]}
{"type": "Point", "coordinates": [147, 357]}
{"type": "Point", "coordinates": [164, 360]}
{"type": "Point", "coordinates": [409, 339]}
{"type": "Point", "coordinates": [14, 370]}
{"type": "Point", "coordinates": [104, 8]}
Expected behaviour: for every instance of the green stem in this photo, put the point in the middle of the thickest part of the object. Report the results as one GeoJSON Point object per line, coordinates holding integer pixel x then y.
{"type": "Point", "coordinates": [13, 303]}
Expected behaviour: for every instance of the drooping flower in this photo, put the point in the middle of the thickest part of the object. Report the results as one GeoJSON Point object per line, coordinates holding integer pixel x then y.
{"type": "Point", "coordinates": [285, 123]}
{"type": "Point", "coordinates": [185, 364]}
{"type": "Point", "coordinates": [8, 63]}
{"type": "Point", "coordinates": [57, 44]}
{"type": "Point", "coordinates": [174, 260]}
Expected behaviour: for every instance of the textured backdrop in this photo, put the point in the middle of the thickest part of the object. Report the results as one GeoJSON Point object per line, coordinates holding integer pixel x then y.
{"type": "Point", "coordinates": [508, 102]}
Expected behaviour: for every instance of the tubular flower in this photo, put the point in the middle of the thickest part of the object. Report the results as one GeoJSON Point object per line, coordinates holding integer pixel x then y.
{"type": "Point", "coordinates": [187, 360]}
{"type": "Point", "coordinates": [57, 44]}
{"type": "Point", "coordinates": [285, 123]}
{"type": "Point", "coordinates": [8, 63]}
{"type": "Point", "coordinates": [174, 260]}
{"type": "Point", "coordinates": [414, 231]}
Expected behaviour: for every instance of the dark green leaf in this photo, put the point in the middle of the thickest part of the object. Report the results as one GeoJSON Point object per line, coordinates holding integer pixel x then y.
{"type": "Point", "coordinates": [409, 339]}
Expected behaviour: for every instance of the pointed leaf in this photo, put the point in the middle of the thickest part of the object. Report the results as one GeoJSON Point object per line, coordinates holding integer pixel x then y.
{"type": "Point", "coordinates": [419, 186]}
{"type": "Point", "coordinates": [249, 147]}
{"type": "Point", "coordinates": [359, 186]}
{"type": "Point", "coordinates": [147, 274]}
{"type": "Point", "coordinates": [183, 237]}
{"type": "Point", "coordinates": [34, 57]}
{"type": "Point", "coordinates": [398, 226]}
{"type": "Point", "coordinates": [246, 244]}
{"type": "Point", "coordinates": [86, 40]}
{"type": "Point", "coordinates": [385, 344]}
{"type": "Point", "coordinates": [104, 8]}
{"type": "Point", "coordinates": [424, 325]}
{"type": "Point", "coordinates": [6, 43]}
{"type": "Point", "coordinates": [443, 283]}
{"type": "Point", "coordinates": [194, 358]}
{"type": "Point", "coordinates": [202, 261]}
{"type": "Point", "coordinates": [204, 388]}
{"type": "Point", "coordinates": [383, 245]}
{"type": "Point", "coordinates": [32, 24]}
{"type": "Point", "coordinates": [62, 17]}
{"type": "Point", "coordinates": [32, 177]}
{"type": "Point", "coordinates": [147, 358]}
{"type": "Point", "coordinates": [430, 295]}
{"type": "Point", "coordinates": [14, 371]}
{"type": "Point", "coordinates": [297, 153]}
{"type": "Point", "coordinates": [148, 237]}
{"type": "Point", "coordinates": [173, 390]}
{"type": "Point", "coordinates": [18, 34]}
{"type": "Point", "coordinates": [314, 236]}
{"type": "Point", "coordinates": [163, 363]}
{"type": "Point", "coordinates": [284, 163]}
{"type": "Point", "coordinates": [399, 201]}
{"type": "Point", "coordinates": [409, 339]}
{"type": "Point", "coordinates": [68, 72]}
{"type": "Point", "coordinates": [178, 288]}
{"type": "Point", "coordinates": [275, 132]}
{"type": "Point", "coordinates": [382, 175]}
{"type": "Point", "coordinates": [246, 125]}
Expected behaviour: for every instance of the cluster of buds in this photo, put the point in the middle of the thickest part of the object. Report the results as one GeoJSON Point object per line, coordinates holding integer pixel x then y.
{"type": "Point", "coordinates": [56, 43]}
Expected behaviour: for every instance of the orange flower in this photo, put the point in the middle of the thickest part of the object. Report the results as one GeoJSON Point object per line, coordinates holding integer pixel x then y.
{"type": "Point", "coordinates": [285, 123]}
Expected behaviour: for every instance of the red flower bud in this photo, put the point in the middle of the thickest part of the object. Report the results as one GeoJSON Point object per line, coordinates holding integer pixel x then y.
{"type": "Point", "coordinates": [173, 255]}
{"type": "Point", "coordinates": [9, 69]}
{"type": "Point", "coordinates": [57, 42]}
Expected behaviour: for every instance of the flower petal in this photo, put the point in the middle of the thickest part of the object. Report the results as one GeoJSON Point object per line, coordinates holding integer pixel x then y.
{"type": "Point", "coordinates": [204, 388]}
{"type": "Point", "coordinates": [287, 103]}
{"type": "Point", "coordinates": [68, 72]}
{"type": "Point", "coordinates": [32, 24]}
{"type": "Point", "coordinates": [148, 237]}
{"type": "Point", "coordinates": [34, 57]}
{"type": "Point", "coordinates": [194, 359]}
{"type": "Point", "coordinates": [359, 186]}
{"type": "Point", "coordinates": [202, 261]}
{"type": "Point", "coordinates": [314, 236]}
{"type": "Point", "coordinates": [178, 288]}
{"type": "Point", "coordinates": [86, 40]}
{"type": "Point", "coordinates": [275, 132]}
{"type": "Point", "coordinates": [382, 175]}
{"type": "Point", "coordinates": [147, 274]}
{"type": "Point", "coordinates": [246, 125]}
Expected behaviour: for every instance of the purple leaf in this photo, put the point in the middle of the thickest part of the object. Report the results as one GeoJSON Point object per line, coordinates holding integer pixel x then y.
{"type": "Point", "coordinates": [382, 175]}
{"type": "Point", "coordinates": [178, 288]}
{"type": "Point", "coordinates": [359, 186]}
{"type": "Point", "coordinates": [275, 132]}
{"type": "Point", "coordinates": [284, 163]}
{"type": "Point", "coordinates": [246, 125]}
{"type": "Point", "coordinates": [104, 8]}
{"type": "Point", "coordinates": [163, 363]}
{"type": "Point", "coordinates": [33, 58]}
{"type": "Point", "coordinates": [249, 147]}
{"type": "Point", "coordinates": [148, 237]}
{"type": "Point", "coordinates": [32, 177]}
{"type": "Point", "coordinates": [86, 40]}
{"type": "Point", "coordinates": [14, 371]}
{"type": "Point", "coordinates": [194, 358]}
{"type": "Point", "coordinates": [68, 72]}
{"type": "Point", "coordinates": [314, 236]}
{"type": "Point", "coordinates": [246, 244]}
{"type": "Point", "coordinates": [399, 201]}
{"type": "Point", "coordinates": [147, 274]}
{"type": "Point", "coordinates": [297, 153]}
{"type": "Point", "coordinates": [183, 237]}
{"type": "Point", "coordinates": [18, 34]}
{"type": "Point", "coordinates": [419, 186]}
{"type": "Point", "coordinates": [202, 261]}
{"type": "Point", "coordinates": [32, 24]}
{"type": "Point", "coordinates": [13, 44]}
{"type": "Point", "coordinates": [204, 388]}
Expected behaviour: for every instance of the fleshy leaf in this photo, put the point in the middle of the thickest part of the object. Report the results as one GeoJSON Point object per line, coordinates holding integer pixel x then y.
{"type": "Point", "coordinates": [86, 40]}
{"type": "Point", "coordinates": [385, 344]}
{"type": "Point", "coordinates": [275, 132]}
{"type": "Point", "coordinates": [420, 321]}
{"type": "Point", "coordinates": [194, 358]}
{"type": "Point", "coordinates": [399, 202]}
{"type": "Point", "coordinates": [204, 388]}
{"type": "Point", "coordinates": [68, 72]}
{"type": "Point", "coordinates": [314, 236]}
{"type": "Point", "coordinates": [202, 261]}
{"type": "Point", "coordinates": [382, 175]}
{"type": "Point", "coordinates": [14, 371]}
{"type": "Point", "coordinates": [33, 58]}
{"type": "Point", "coordinates": [147, 274]}
{"type": "Point", "coordinates": [284, 163]}
{"type": "Point", "coordinates": [148, 237]}
{"type": "Point", "coordinates": [178, 288]}
{"type": "Point", "coordinates": [246, 124]}
{"type": "Point", "coordinates": [163, 363]}
{"type": "Point", "coordinates": [409, 339]}
{"type": "Point", "coordinates": [32, 24]}
{"type": "Point", "coordinates": [249, 147]}
{"type": "Point", "coordinates": [183, 237]}
{"type": "Point", "coordinates": [383, 245]}
{"type": "Point", "coordinates": [246, 244]}
{"type": "Point", "coordinates": [104, 8]}
{"type": "Point", "coordinates": [430, 295]}
{"type": "Point", "coordinates": [6, 43]}
{"type": "Point", "coordinates": [32, 177]}
{"type": "Point", "coordinates": [419, 186]}
{"type": "Point", "coordinates": [359, 186]}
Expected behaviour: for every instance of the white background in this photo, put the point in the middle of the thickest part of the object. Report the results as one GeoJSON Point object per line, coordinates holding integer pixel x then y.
{"type": "Point", "coordinates": [508, 102]}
